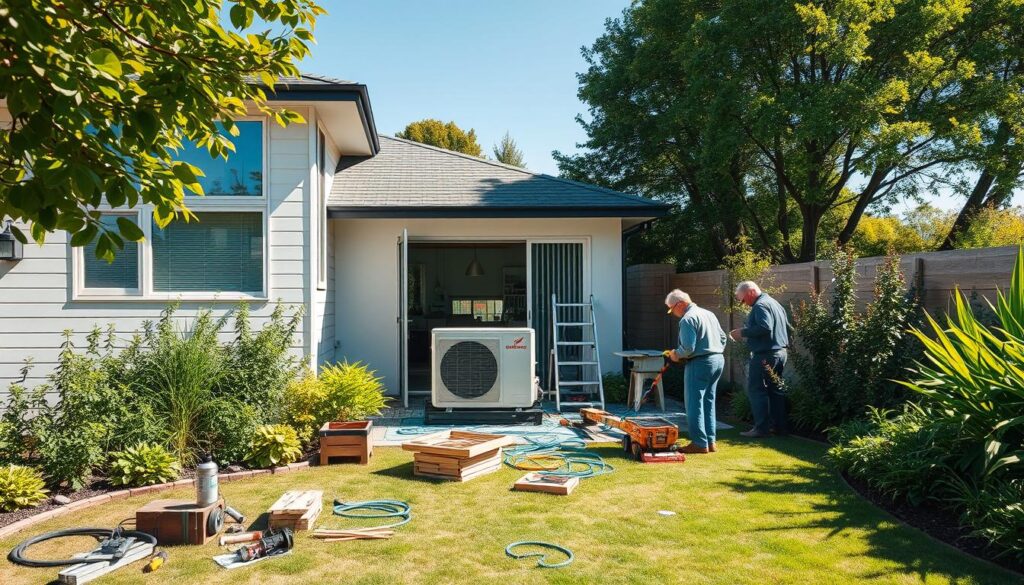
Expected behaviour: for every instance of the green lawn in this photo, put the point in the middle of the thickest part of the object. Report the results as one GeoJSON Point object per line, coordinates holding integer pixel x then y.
{"type": "Point", "coordinates": [754, 513]}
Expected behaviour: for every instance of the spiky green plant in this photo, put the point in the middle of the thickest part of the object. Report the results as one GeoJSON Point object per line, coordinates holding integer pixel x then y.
{"type": "Point", "coordinates": [974, 375]}
{"type": "Point", "coordinates": [20, 487]}
{"type": "Point", "coordinates": [143, 464]}
{"type": "Point", "coordinates": [274, 445]}
{"type": "Point", "coordinates": [342, 392]}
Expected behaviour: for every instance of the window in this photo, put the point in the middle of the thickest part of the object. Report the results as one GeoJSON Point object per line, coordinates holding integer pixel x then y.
{"type": "Point", "coordinates": [222, 252]}
{"type": "Point", "coordinates": [121, 274]}
{"type": "Point", "coordinates": [481, 309]}
{"type": "Point", "coordinates": [219, 254]}
{"type": "Point", "coordinates": [241, 174]}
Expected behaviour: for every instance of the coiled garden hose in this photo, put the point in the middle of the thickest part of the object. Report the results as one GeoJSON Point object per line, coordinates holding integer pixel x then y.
{"type": "Point", "coordinates": [559, 458]}
{"type": "Point", "coordinates": [17, 554]}
{"type": "Point", "coordinates": [375, 509]}
{"type": "Point", "coordinates": [543, 561]}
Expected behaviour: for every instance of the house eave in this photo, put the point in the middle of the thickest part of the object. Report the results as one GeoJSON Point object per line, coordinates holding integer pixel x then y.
{"type": "Point", "coordinates": [334, 92]}
{"type": "Point", "coordinates": [509, 212]}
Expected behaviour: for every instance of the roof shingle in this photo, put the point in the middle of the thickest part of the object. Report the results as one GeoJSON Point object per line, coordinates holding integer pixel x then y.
{"type": "Point", "coordinates": [410, 175]}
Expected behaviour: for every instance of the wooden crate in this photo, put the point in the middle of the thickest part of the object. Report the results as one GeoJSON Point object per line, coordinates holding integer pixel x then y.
{"type": "Point", "coordinates": [459, 444]}
{"type": "Point", "coordinates": [297, 510]}
{"type": "Point", "coordinates": [457, 455]}
{"type": "Point", "coordinates": [179, 521]}
{"type": "Point", "coordinates": [536, 482]}
{"type": "Point", "coordinates": [346, 439]}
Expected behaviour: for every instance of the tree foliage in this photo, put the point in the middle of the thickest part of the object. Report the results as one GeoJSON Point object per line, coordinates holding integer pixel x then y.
{"type": "Point", "coordinates": [442, 135]}
{"type": "Point", "coordinates": [103, 94]}
{"type": "Point", "coordinates": [508, 152]}
{"type": "Point", "coordinates": [774, 119]}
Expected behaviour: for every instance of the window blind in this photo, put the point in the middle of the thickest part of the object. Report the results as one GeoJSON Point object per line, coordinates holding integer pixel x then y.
{"type": "Point", "coordinates": [123, 272]}
{"type": "Point", "coordinates": [221, 252]}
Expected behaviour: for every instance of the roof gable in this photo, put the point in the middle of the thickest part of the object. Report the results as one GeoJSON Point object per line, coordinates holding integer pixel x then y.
{"type": "Point", "coordinates": [412, 179]}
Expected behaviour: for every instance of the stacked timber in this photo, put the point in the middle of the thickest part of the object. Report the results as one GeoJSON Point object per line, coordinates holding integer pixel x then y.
{"type": "Point", "coordinates": [457, 455]}
{"type": "Point", "coordinates": [297, 510]}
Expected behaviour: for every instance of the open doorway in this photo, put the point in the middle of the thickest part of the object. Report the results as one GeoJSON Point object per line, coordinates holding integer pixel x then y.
{"type": "Point", "coordinates": [461, 284]}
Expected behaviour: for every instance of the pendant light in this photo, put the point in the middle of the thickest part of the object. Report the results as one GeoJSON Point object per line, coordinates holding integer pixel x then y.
{"type": "Point", "coordinates": [474, 268]}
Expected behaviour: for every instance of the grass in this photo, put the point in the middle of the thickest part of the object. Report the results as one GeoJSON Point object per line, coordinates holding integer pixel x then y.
{"type": "Point", "coordinates": [751, 513]}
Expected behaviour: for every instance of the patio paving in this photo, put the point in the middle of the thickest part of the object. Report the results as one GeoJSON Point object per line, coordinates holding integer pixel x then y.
{"type": "Point", "coordinates": [398, 424]}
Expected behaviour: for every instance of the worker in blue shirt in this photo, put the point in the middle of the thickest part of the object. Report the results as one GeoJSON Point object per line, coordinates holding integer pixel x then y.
{"type": "Point", "coordinates": [701, 343]}
{"type": "Point", "coordinates": [766, 333]}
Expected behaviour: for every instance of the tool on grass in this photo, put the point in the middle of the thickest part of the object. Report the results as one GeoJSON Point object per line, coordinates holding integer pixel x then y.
{"type": "Point", "coordinates": [649, 439]}
{"type": "Point", "coordinates": [156, 562]}
{"type": "Point", "coordinates": [117, 548]}
{"type": "Point", "coordinates": [543, 560]}
{"type": "Point", "coordinates": [274, 543]}
{"type": "Point", "coordinates": [240, 537]}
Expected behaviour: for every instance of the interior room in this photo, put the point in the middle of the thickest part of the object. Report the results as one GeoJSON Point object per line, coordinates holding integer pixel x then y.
{"type": "Point", "coordinates": [464, 284]}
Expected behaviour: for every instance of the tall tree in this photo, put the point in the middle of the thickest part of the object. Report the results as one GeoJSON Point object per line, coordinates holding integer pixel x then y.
{"type": "Point", "coordinates": [508, 152]}
{"type": "Point", "coordinates": [448, 136]}
{"type": "Point", "coordinates": [771, 117]}
{"type": "Point", "coordinates": [103, 93]}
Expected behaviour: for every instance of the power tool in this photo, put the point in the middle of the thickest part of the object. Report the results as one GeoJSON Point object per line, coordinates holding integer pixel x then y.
{"type": "Point", "coordinates": [274, 543]}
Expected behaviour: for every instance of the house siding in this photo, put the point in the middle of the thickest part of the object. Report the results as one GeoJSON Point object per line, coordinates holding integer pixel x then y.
{"type": "Point", "coordinates": [323, 323]}
{"type": "Point", "coordinates": [366, 289]}
{"type": "Point", "coordinates": [36, 303]}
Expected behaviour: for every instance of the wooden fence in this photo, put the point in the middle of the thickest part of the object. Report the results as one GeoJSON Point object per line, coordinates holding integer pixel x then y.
{"type": "Point", "coordinates": [935, 274]}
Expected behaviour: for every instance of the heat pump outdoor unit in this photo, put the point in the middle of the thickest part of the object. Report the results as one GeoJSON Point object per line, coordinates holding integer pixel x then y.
{"type": "Point", "coordinates": [483, 368]}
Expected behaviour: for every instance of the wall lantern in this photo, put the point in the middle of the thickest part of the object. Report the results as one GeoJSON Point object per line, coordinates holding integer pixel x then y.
{"type": "Point", "coordinates": [10, 247]}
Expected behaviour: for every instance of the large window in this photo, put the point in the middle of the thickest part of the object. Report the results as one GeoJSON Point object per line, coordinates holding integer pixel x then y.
{"type": "Point", "coordinates": [242, 173]}
{"type": "Point", "coordinates": [219, 252]}
{"type": "Point", "coordinates": [121, 274]}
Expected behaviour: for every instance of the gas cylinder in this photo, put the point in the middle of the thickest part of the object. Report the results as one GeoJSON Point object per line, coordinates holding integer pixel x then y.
{"type": "Point", "coordinates": [206, 481]}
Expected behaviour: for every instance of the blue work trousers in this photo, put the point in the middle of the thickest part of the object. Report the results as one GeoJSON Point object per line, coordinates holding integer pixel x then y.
{"type": "Point", "coordinates": [700, 383]}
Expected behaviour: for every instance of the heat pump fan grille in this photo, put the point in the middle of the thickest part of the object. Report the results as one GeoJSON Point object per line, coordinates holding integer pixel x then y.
{"type": "Point", "coordinates": [468, 369]}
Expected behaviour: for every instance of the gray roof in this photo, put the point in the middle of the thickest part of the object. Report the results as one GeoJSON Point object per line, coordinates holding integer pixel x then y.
{"type": "Point", "coordinates": [312, 79]}
{"type": "Point", "coordinates": [411, 179]}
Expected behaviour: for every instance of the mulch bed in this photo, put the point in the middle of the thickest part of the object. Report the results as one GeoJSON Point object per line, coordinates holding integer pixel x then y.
{"type": "Point", "coordinates": [95, 488]}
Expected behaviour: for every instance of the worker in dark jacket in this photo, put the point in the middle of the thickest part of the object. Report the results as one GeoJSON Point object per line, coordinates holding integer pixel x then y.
{"type": "Point", "coordinates": [766, 333]}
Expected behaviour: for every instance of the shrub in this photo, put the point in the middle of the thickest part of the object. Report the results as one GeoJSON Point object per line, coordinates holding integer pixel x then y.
{"type": "Point", "coordinates": [143, 464]}
{"type": "Point", "coordinates": [995, 509]}
{"type": "Point", "coordinates": [616, 388]}
{"type": "Point", "coordinates": [258, 365]}
{"type": "Point", "coordinates": [176, 373]}
{"type": "Point", "coordinates": [973, 375]}
{"type": "Point", "coordinates": [739, 405]}
{"type": "Point", "coordinates": [342, 392]}
{"type": "Point", "coordinates": [274, 445]}
{"type": "Point", "coordinates": [845, 360]}
{"type": "Point", "coordinates": [900, 454]}
{"type": "Point", "coordinates": [233, 425]}
{"type": "Point", "coordinates": [20, 487]}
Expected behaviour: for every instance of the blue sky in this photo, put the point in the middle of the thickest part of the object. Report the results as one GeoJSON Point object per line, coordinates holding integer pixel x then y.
{"type": "Point", "coordinates": [487, 65]}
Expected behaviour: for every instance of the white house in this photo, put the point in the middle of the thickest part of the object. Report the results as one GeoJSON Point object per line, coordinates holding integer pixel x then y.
{"type": "Point", "coordinates": [357, 228]}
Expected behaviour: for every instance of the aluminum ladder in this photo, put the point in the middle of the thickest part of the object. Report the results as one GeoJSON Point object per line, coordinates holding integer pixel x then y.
{"type": "Point", "coordinates": [574, 344]}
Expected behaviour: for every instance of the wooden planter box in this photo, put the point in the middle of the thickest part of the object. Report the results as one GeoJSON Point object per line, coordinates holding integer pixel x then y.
{"type": "Point", "coordinates": [346, 439]}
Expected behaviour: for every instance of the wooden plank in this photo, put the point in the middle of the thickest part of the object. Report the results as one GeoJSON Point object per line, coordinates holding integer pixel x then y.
{"type": "Point", "coordinates": [297, 502]}
{"type": "Point", "coordinates": [535, 482]}
{"type": "Point", "coordinates": [85, 572]}
{"type": "Point", "coordinates": [462, 478]}
{"type": "Point", "coordinates": [458, 461]}
{"type": "Point", "coordinates": [460, 444]}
